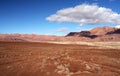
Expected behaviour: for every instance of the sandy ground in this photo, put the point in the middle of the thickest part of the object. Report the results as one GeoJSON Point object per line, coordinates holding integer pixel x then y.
{"type": "Point", "coordinates": [115, 45]}
{"type": "Point", "coordinates": [48, 59]}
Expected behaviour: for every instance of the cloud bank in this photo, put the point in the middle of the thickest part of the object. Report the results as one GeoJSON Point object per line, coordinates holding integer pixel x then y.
{"type": "Point", "coordinates": [86, 14]}
{"type": "Point", "coordinates": [64, 30]}
{"type": "Point", "coordinates": [117, 26]}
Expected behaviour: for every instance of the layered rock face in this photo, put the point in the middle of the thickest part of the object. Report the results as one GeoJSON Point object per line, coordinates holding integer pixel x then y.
{"type": "Point", "coordinates": [105, 33]}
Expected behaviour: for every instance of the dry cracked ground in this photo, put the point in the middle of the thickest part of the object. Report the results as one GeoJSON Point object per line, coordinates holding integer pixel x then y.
{"type": "Point", "coordinates": [47, 59]}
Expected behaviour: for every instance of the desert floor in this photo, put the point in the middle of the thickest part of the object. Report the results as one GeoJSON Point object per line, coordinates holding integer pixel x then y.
{"type": "Point", "coordinates": [50, 59]}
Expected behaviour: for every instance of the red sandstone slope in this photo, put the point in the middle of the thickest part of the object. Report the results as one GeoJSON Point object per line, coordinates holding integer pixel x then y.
{"type": "Point", "coordinates": [98, 31]}
{"type": "Point", "coordinates": [102, 31]}
{"type": "Point", "coordinates": [27, 37]}
{"type": "Point", "coordinates": [105, 33]}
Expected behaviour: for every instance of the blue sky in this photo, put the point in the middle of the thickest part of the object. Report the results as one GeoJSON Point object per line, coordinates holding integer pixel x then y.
{"type": "Point", "coordinates": [30, 16]}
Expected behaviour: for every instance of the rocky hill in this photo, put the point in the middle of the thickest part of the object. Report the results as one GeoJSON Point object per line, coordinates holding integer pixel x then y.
{"type": "Point", "coordinates": [102, 30]}
{"type": "Point", "coordinates": [105, 33]}
{"type": "Point", "coordinates": [95, 32]}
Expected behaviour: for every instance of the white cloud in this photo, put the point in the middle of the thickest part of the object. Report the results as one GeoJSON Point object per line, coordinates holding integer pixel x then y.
{"type": "Point", "coordinates": [61, 31]}
{"type": "Point", "coordinates": [86, 14]}
{"type": "Point", "coordinates": [117, 26]}
{"type": "Point", "coordinates": [64, 30]}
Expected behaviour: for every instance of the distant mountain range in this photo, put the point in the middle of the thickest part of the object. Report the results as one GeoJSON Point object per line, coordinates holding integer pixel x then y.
{"type": "Point", "coordinates": [96, 34]}
{"type": "Point", "coordinates": [105, 33]}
